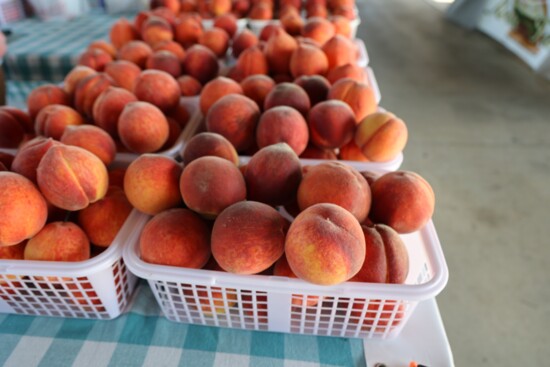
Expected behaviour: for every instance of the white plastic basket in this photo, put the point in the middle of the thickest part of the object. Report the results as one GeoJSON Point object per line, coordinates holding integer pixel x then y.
{"type": "Point", "coordinates": [363, 58]}
{"type": "Point", "coordinates": [274, 303]}
{"type": "Point", "coordinates": [374, 84]}
{"type": "Point", "coordinates": [209, 23]}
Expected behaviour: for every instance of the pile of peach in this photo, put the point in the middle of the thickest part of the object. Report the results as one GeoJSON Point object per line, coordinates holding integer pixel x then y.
{"type": "Point", "coordinates": [59, 202]}
{"type": "Point", "coordinates": [346, 223]}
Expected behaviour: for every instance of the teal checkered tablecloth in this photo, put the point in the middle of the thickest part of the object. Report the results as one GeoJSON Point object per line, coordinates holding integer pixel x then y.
{"type": "Point", "coordinates": [47, 50]}
{"type": "Point", "coordinates": [143, 337]}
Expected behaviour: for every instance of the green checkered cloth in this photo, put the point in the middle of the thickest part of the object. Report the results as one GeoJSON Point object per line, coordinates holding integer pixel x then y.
{"type": "Point", "coordinates": [48, 50]}
{"type": "Point", "coordinates": [143, 337]}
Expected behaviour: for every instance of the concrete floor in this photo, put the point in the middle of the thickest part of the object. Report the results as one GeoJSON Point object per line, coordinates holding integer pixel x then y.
{"type": "Point", "coordinates": [479, 126]}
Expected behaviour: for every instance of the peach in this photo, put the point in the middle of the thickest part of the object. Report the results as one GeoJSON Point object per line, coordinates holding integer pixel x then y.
{"type": "Point", "coordinates": [269, 30]}
{"type": "Point", "coordinates": [316, 10]}
{"type": "Point", "coordinates": [94, 58]}
{"type": "Point", "coordinates": [13, 252]}
{"type": "Point", "coordinates": [3, 167]}
{"type": "Point", "coordinates": [318, 29]}
{"type": "Point", "coordinates": [359, 96]}
{"type": "Point", "coordinates": [241, 7]}
{"type": "Point", "coordinates": [296, 4]}
{"type": "Point", "coordinates": [210, 184]}
{"type": "Point", "coordinates": [175, 237]}
{"type": "Point", "coordinates": [166, 14]}
{"type": "Point", "coordinates": [288, 94]}
{"type": "Point", "coordinates": [122, 32]}
{"type": "Point", "coordinates": [243, 40]}
{"type": "Point", "coordinates": [22, 118]}
{"type": "Point", "coordinates": [28, 156]}
{"type": "Point", "coordinates": [87, 91]}
{"type": "Point", "coordinates": [316, 87]}
{"type": "Point", "coordinates": [248, 237]}
{"type": "Point", "coordinates": [102, 220]}
{"type": "Point", "coordinates": [174, 132]}
{"type": "Point", "coordinates": [116, 178]}
{"type": "Point", "coordinates": [341, 25]}
{"type": "Point", "coordinates": [283, 124]}
{"type": "Point", "coordinates": [352, 71]}
{"type": "Point", "coordinates": [257, 87]}
{"type": "Point", "coordinates": [142, 127]}
{"type": "Point", "coordinates": [346, 11]}
{"type": "Point", "coordinates": [189, 86]}
{"type": "Point", "coordinates": [93, 139]}
{"type": "Point", "coordinates": [140, 19]}
{"type": "Point", "coordinates": [208, 144]}
{"type": "Point", "coordinates": [292, 23]}
{"type": "Point", "coordinates": [174, 6]}
{"type": "Point", "coordinates": [308, 60]}
{"type": "Point", "coordinates": [136, 52]}
{"type": "Point", "coordinates": [58, 241]}
{"type": "Point", "coordinates": [158, 88]}
{"type": "Point", "coordinates": [381, 136]}
{"type": "Point", "coordinates": [252, 61]}
{"type": "Point", "coordinates": [188, 6]}
{"type": "Point", "coordinates": [340, 51]}
{"type": "Point", "coordinates": [261, 11]}
{"type": "Point", "coordinates": [45, 95]}
{"type": "Point", "coordinates": [216, 39]}
{"type": "Point", "coordinates": [282, 269]}
{"type": "Point", "coordinates": [180, 114]}
{"type": "Point", "coordinates": [314, 152]}
{"type": "Point", "coordinates": [11, 131]}
{"type": "Point", "coordinates": [24, 210]}
{"type": "Point", "coordinates": [74, 76]}
{"type": "Point", "coordinates": [351, 152]}
{"type": "Point", "coordinates": [173, 47]}
{"type": "Point", "coordinates": [156, 30]}
{"type": "Point", "coordinates": [235, 117]}
{"type": "Point", "coordinates": [201, 63]}
{"type": "Point", "coordinates": [151, 183]}
{"type": "Point", "coordinates": [216, 89]}
{"type": "Point", "coordinates": [104, 46]}
{"type": "Point", "coordinates": [187, 31]}
{"type": "Point", "coordinates": [53, 119]}
{"type": "Point", "coordinates": [278, 51]}
{"type": "Point", "coordinates": [227, 22]}
{"type": "Point", "coordinates": [165, 61]}
{"type": "Point", "coordinates": [108, 106]}
{"type": "Point", "coordinates": [273, 175]}
{"type": "Point", "coordinates": [124, 73]}
{"type": "Point", "coordinates": [403, 200]}
{"type": "Point", "coordinates": [331, 124]}
{"type": "Point", "coordinates": [6, 159]}
{"type": "Point", "coordinates": [325, 245]}
{"type": "Point", "coordinates": [71, 178]}
{"type": "Point", "coordinates": [336, 183]}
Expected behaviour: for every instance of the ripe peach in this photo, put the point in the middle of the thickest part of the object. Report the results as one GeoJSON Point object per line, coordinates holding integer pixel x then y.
{"type": "Point", "coordinates": [45, 95]}
{"type": "Point", "coordinates": [74, 76]}
{"type": "Point", "coordinates": [142, 127]}
{"type": "Point", "coordinates": [318, 29]}
{"type": "Point", "coordinates": [227, 22]}
{"type": "Point", "coordinates": [261, 11]}
{"type": "Point", "coordinates": [122, 32]}
{"type": "Point", "coordinates": [341, 25]}
{"type": "Point", "coordinates": [347, 11]}
{"type": "Point", "coordinates": [21, 117]}
{"type": "Point", "coordinates": [181, 114]}
{"type": "Point", "coordinates": [116, 178]}
{"type": "Point", "coordinates": [241, 7]}
{"type": "Point", "coordinates": [24, 210]}
{"type": "Point", "coordinates": [359, 96]}
{"type": "Point", "coordinates": [155, 30]}
{"type": "Point", "coordinates": [235, 117]}
{"type": "Point", "coordinates": [93, 139]}
{"type": "Point", "coordinates": [403, 200]}
{"type": "Point", "coordinates": [58, 241]}
{"type": "Point", "coordinates": [164, 61]}
{"type": "Point", "coordinates": [252, 61]}
{"type": "Point", "coordinates": [102, 220]}
{"type": "Point", "coordinates": [140, 19]}
{"type": "Point", "coordinates": [316, 87]}
{"type": "Point", "coordinates": [269, 30]}
{"type": "Point", "coordinates": [94, 58]}
{"type": "Point", "coordinates": [316, 10]}
{"type": "Point", "coordinates": [187, 31]}
{"type": "Point", "coordinates": [352, 71]}
{"type": "Point", "coordinates": [6, 159]}
{"type": "Point", "coordinates": [288, 94]}
{"type": "Point", "coordinates": [210, 184]}
{"type": "Point", "coordinates": [188, 6]}
{"type": "Point", "coordinates": [292, 23]}
{"type": "Point", "coordinates": [216, 89]}
{"type": "Point", "coordinates": [283, 269]}
{"type": "Point", "coordinates": [189, 86]}
{"type": "Point", "coordinates": [158, 88]}
{"type": "Point", "coordinates": [136, 52]}
{"type": "Point", "coordinates": [53, 119]}
{"type": "Point", "coordinates": [351, 152]}
{"type": "Point", "coordinates": [176, 237]}
{"type": "Point", "coordinates": [243, 40]}
{"type": "Point", "coordinates": [308, 60]}
{"type": "Point", "coordinates": [104, 46]}
{"type": "Point", "coordinates": [108, 106]}
{"type": "Point", "coordinates": [87, 91]}
{"type": "Point", "coordinates": [325, 245]}
{"type": "Point", "coordinates": [124, 73]}
{"type": "Point", "coordinates": [151, 183]}
{"type": "Point", "coordinates": [340, 51]}
{"type": "Point", "coordinates": [273, 174]}
{"type": "Point", "coordinates": [216, 39]}
{"type": "Point", "coordinates": [174, 6]}
{"type": "Point", "coordinates": [29, 155]}
{"type": "Point", "coordinates": [257, 87]}
{"type": "Point", "coordinates": [13, 252]}
{"type": "Point", "coordinates": [278, 51]}
{"type": "Point", "coordinates": [208, 144]}
{"type": "Point", "coordinates": [201, 63]}
{"type": "Point", "coordinates": [283, 124]}
{"type": "Point", "coordinates": [331, 124]}
{"type": "Point", "coordinates": [71, 178]}
{"type": "Point", "coordinates": [381, 136]}
{"type": "Point", "coordinates": [173, 47]}
{"type": "Point", "coordinates": [11, 131]}
{"type": "Point", "coordinates": [248, 237]}
{"type": "Point", "coordinates": [314, 152]}
{"type": "Point", "coordinates": [336, 183]}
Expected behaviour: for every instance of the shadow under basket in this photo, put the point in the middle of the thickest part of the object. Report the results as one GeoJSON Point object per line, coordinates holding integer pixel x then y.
{"type": "Point", "coordinates": [98, 288]}
{"type": "Point", "coordinates": [281, 304]}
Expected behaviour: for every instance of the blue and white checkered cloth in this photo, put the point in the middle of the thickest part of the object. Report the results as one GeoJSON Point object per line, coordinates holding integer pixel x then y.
{"type": "Point", "coordinates": [143, 337]}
